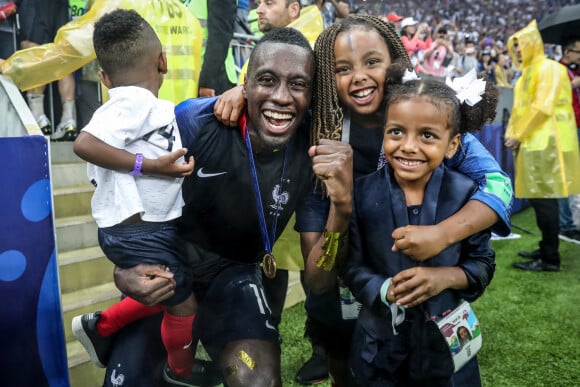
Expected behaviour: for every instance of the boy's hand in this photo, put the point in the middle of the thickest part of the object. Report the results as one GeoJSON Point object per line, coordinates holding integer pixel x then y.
{"type": "Point", "coordinates": [166, 165]}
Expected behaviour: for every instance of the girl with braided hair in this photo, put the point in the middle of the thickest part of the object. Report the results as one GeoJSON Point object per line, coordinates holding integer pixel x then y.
{"type": "Point", "coordinates": [425, 120]}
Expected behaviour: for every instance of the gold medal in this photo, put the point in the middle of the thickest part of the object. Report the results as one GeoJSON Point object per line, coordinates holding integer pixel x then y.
{"type": "Point", "coordinates": [269, 265]}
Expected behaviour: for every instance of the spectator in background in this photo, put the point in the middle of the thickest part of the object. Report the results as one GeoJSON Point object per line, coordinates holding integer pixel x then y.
{"type": "Point", "coordinates": [467, 61]}
{"type": "Point", "coordinates": [394, 20]}
{"type": "Point", "coordinates": [543, 133]}
{"type": "Point", "coordinates": [331, 9]}
{"type": "Point", "coordinates": [8, 42]}
{"type": "Point", "coordinates": [343, 8]}
{"type": "Point", "coordinates": [571, 60]}
{"type": "Point", "coordinates": [438, 56]}
{"type": "Point", "coordinates": [218, 19]}
{"type": "Point", "coordinates": [415, 38]}
{"type": "Point", "coordinates": [502, 71]}
{"type": "Point", "coordinates": [88, 86]}
{"type": "Point", "coordinates": [242, 17]}
{"type": "Point", "coordinates": [43, 64]}
{"type": "Point", "coordinates": [486, 64]}
{"type": "Point", "coordinates": [40, 21]}
{"type": "Point", "coordinates": [276, 13]}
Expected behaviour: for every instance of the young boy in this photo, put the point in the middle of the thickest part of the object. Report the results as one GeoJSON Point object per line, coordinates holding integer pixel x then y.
{"type": "Point", "coordinates": [135, 213]}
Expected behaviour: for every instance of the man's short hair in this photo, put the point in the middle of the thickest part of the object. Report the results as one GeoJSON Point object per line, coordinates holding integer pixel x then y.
{"type": "Point", "coordinates": [570, 41]}
{"type": "Point", "coordinates": [288, 2]}
{"type": "Point", "coordinates": [285, 35]}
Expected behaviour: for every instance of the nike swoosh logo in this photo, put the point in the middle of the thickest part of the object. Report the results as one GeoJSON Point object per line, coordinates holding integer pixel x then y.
{"type": "Point", "coordinates": [201, 174]}
{"type": "Point", "coordinates": [270, 326]}
{"type": "Point", "coordinates": [188, 345]}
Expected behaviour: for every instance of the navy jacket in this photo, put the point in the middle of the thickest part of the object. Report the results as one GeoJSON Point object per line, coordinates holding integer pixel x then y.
{"type": "Point", "coordinates": [379, 207]}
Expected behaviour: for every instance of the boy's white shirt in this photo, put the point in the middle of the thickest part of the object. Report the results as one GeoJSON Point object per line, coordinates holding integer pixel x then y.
{"type": "Point", "coordinates": [122, 122]}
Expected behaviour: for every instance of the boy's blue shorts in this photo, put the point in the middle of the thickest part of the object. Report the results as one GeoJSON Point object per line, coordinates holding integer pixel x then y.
{"type": "Point", "coordinates": [152, 243]}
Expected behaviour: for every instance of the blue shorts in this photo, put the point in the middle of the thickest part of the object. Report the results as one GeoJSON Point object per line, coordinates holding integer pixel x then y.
{"type": "Point", "coordinates": [151, 243]}
{"type": "Point", "coordinates": [233, 307]}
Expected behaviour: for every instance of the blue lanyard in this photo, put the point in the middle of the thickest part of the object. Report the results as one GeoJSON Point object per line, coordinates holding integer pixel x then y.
{"type": "Point", "coordinates": [267, 238]}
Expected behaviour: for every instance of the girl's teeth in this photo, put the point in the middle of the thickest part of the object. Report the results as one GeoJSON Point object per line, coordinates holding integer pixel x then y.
{"type": "Point", "coordinates": [409, 163]}
{"type": "Point", "coordinates": [363, 93]}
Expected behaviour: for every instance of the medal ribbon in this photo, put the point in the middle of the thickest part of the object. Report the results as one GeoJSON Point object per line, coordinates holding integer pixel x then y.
{"type": "Point", "coordinates": [267, 238]}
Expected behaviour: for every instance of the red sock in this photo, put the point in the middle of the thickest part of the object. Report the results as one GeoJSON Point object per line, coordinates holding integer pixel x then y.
{"type": "Point", "coordinates": [176, 335]}
{"type": "Point", "coordinates": [122, 314]}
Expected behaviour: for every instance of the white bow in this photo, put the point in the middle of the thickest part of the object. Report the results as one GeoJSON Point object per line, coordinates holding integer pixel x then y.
{"type": "Point", "coordinates": [468, 88]}
{"type": "Point", "coordinates": [409, 76]}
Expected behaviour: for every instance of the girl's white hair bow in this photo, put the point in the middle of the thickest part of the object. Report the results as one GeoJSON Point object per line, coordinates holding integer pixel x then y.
{"type": "Point", "coordinates": [468, 88]}
{"type": "Point", "coordinates": [409, 76]}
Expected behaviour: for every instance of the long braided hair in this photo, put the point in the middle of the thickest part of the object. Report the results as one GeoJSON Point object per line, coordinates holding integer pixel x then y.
{"type": "Point", "coordinates": [327, 112]}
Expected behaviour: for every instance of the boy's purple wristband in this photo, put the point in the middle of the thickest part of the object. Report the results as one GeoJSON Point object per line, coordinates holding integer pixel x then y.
{"type": "Point", "coordinates": [138, 165]}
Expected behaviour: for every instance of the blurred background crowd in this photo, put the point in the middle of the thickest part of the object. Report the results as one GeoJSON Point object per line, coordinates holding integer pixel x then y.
{"type": "Point", "coordinates": [443, 38]}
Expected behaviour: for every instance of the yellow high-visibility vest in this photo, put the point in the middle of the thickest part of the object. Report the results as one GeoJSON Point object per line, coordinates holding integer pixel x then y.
{"type": "Point", "coordinates": [178, 30]}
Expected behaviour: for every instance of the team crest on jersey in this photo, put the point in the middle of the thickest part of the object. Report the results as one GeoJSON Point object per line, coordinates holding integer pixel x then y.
{"type": "Point", "coordinates": [280, 198]}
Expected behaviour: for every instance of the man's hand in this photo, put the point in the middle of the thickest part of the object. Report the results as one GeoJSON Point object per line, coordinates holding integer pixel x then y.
{"type": "Point", "coordinates": [332, 164]}
{"type": "Point", "coordinates": [419, 242]}
{"type": "Point", "coordinates": [511, 143]}
{"type": "Point", "coordinates": [230, 106]}
{"type": "Point", "coordinates": [166, 165]}
{"type": "Point", "coordinates": [148, 284]}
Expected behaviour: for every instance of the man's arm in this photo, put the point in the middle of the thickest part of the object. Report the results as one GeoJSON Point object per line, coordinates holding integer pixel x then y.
{"type": "Point", "coordinates": [95, 151]}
